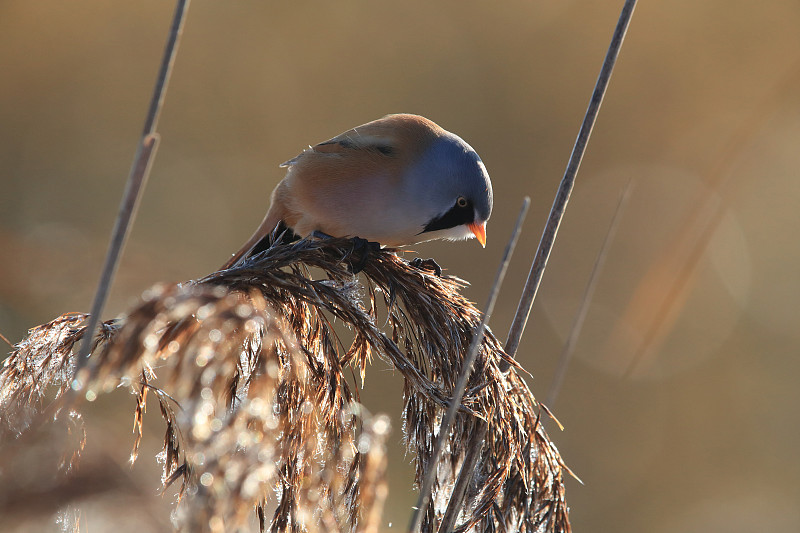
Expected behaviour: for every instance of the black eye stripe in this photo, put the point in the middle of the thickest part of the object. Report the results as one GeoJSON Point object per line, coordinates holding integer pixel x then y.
{"type": "Point", "coordinates": [457, 215]}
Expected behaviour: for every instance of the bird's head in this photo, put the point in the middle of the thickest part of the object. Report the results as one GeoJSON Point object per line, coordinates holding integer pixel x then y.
{"type": "Point", "coordinates": [453, 189]}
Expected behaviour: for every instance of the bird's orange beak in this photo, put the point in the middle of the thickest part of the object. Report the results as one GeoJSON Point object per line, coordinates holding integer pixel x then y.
{"type": "Point", "coordinates": [479, 230]}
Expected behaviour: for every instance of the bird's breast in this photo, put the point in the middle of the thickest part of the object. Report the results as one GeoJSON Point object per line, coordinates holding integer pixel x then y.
{"type": "Point", "coordinates": [372, 206]}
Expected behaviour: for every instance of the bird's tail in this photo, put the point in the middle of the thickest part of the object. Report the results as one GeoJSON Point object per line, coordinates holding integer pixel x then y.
{"type": "Point", "coordinates": [270, 222]}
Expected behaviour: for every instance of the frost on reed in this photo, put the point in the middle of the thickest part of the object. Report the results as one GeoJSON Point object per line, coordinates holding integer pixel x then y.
{"type": "Point", "coordinates": [249, 376]}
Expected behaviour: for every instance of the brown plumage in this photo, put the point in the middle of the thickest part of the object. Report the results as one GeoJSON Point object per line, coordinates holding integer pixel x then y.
{"type": "Point", "coordinates": [385, 181]}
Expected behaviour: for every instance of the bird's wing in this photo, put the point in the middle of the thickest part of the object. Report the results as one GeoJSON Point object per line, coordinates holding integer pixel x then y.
{"type": "Point", "coordinates": [352, 143]}
{"type": "Point", "coordinates": [397, 136]}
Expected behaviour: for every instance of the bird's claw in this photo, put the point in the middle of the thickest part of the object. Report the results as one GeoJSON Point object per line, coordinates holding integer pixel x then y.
{"type": "Point", "coordinates": [358, 256]}
{"type": "Point", "coordinates": [427, 264]}
{"type": "Point", "coordinates": [362, 249]}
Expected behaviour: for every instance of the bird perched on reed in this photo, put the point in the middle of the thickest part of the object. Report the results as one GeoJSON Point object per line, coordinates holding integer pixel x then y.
{"type": "Point", "coordinates": [398, 180]}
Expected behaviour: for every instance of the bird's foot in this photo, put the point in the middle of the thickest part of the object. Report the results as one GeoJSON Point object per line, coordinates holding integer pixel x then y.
{"type": "Point", "coordinates": [427, 264]}
{"type": "Point", "coordinates": [360, 254]}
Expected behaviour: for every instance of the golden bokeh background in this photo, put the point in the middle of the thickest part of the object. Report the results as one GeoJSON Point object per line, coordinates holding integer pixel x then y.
{"type": "Point", "coordinates": [679, 416]}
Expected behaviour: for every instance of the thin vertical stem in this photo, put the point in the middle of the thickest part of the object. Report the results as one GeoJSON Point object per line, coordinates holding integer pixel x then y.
{"type": "Point", "coordinates": [567, 183]}
{"type": "Point", "coordinates": [463, 376]}
{"type": "Point", "coordinates": [546, 242]}
{"type": "Point", "coordinates": [583, 309]}
{"type": "Point", "coordinates": [137, 179]}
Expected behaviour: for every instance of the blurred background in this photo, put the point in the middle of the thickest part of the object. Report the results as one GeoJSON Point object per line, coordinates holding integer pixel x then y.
{"type": "Point", "coordinates": [681, 407]}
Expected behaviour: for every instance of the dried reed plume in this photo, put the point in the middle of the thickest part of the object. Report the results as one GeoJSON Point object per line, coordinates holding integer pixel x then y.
{"type": "Point", "coordinates": [249, 375]}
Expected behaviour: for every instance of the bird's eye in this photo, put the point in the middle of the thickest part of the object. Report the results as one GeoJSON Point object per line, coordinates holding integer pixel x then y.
{"type": "Point", "coordinates": [461, 202]}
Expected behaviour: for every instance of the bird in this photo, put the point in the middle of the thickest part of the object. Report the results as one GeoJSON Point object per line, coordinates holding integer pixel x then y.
{"type": "Point", "coordinates": [398, 181]}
